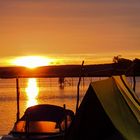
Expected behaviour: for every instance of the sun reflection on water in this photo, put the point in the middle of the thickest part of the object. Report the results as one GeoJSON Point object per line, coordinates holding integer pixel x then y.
{"type": "Point", "coordinates": [32, 92]}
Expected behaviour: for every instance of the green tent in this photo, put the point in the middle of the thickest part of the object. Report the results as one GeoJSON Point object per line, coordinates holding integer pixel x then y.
{"type": "Point", "coordinates": [110, 110]}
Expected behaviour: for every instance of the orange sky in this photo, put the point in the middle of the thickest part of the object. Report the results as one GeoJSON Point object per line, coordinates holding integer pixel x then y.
{"type": "Point", "coordinates": [70, 29]}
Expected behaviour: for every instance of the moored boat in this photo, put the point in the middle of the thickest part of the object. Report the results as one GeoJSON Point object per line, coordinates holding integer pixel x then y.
{"type": "Point", "coordinates": [41, 122]}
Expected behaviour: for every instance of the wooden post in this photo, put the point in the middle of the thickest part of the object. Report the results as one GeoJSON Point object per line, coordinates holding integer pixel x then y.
{"type": "Point", "coordinates": [78, 94]}
{"type": "Point", "coordinates": [18, 95]}
{"type": "Point", "coordinates": [66, 125]}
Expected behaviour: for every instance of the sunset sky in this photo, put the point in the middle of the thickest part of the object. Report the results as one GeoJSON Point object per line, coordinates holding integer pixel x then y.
{"type": "Point", "coordinates": [69, 30]}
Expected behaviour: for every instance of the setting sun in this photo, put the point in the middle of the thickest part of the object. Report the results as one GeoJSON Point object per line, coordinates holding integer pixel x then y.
{"type": "Point", "coordinates": [32, 61]}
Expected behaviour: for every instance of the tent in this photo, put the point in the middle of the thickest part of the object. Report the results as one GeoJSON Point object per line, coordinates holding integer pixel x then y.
{"type": "Point", "coordinates": [110, 110]}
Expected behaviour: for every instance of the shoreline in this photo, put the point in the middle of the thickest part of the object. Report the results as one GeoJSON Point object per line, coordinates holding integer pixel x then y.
{"type": "Point", "coordinates": [93, 70]}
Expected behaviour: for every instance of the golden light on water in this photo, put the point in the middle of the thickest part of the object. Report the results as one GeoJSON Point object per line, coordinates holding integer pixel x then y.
{"type": "Point", "coordinates": [31, 102]}
{"type": "Point", "coordinates": [32, 61]}
{"type": "Point", "coordinates": [32, 92]}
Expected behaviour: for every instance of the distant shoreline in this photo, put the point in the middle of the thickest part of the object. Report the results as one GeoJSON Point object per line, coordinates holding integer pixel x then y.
{"type": "Point", "coordinates": [97, 70]}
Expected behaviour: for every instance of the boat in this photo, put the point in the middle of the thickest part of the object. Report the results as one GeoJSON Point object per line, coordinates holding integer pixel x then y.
{"type": "Point", "coordinates": [40, 122]}
{"type": "Point", "coordinates": [43, 121]}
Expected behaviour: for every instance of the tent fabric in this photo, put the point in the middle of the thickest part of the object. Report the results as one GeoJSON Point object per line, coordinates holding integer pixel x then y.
{"type": "Point", "coordinates": [123, 77]}
{"type": "Point", "coordinates": [125, 86]}
{"type": "Point", "coordinates": [130, 97]}
{"type": "Point", "coordinates": [104, 114]}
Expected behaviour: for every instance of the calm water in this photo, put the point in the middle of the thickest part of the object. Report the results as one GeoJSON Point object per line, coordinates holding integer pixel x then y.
{"type": "Point", "coordinates": [36, 91]}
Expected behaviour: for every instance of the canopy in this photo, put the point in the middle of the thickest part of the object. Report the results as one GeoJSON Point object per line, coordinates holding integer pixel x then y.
{"type": "Point", "coordinates": [43, 118]}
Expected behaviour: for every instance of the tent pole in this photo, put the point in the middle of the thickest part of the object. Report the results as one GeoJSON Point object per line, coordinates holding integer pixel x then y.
{"type": "Point", "coordinates": [134, 83]}
{"type": "Point", "coordinates": [77, 103]}
{"type": "Point", "coordinates": [18, 95]}
{"type": "Point", "coordinates": [134, 77]}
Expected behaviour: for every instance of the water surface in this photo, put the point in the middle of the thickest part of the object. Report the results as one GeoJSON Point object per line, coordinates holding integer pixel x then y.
{"type": "Point", "coordinates": [38, 91]}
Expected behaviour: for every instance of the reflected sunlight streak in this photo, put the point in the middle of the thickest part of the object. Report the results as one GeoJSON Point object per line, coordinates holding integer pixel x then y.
{"type": "Point", "coordinates": [32, 92]}
{"type": "Point", "coordinates": [31, 102]}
